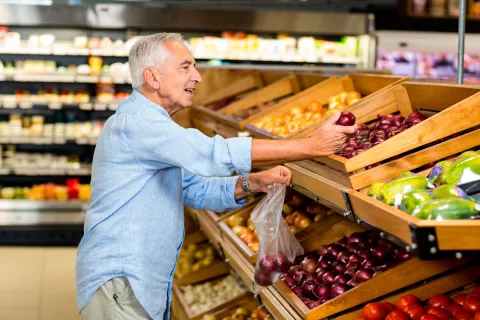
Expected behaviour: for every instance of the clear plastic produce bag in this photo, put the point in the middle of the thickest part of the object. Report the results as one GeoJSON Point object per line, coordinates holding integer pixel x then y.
{"type": "Point", "coordinates": [278, 245]}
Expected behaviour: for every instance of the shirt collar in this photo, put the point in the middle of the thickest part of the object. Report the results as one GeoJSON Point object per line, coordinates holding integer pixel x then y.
{"type": "Point", "coordinates": [137, 99]}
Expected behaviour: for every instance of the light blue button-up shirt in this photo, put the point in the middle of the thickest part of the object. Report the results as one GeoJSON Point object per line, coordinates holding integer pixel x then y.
{"type": "Point", "coordinates": [145, 168]}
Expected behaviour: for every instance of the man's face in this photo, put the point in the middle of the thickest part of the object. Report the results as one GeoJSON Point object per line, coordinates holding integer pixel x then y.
{"type": "Point", "coordinates": [179, 77]}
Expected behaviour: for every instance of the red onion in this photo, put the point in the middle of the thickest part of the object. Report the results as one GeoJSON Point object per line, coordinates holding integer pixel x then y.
{"type": "Point", "coordinates": [343, 256]}
{"type": "Point", "coordinates": [388, 117]}
{"type": "Point", "coordinates": [373, 238]}
{"type": "Point", "coordinates": [354, 258]}
{"type": "Point", "coordinates": [402, 255]}
{"type": "Point", "coordinates": [335, 250]}
{"type": "Point", "coordinates": [416, 115]}
{"type": "Point", "coordinates": [297, 290]}
{"type": "Point", "coordinates": [305, 300]}
{"type": "Point", "coordinates": [283, 275]}
{"type": "Point", "coordinates": [362, 126]}
{"type": "Point", "coordinates": [322, 291]}
{"type": "Point", "coordinates": [362, 253]}
{"type": "Point", "coordinates": [268, 264]}
{"type": "Point", "coordinates": [293, 270]}
{"type": "Point", "coordinates": [383, 267]}
{"type": "Point", "coordinates": [376, 273]}
{"type": "Point", "coordinates": [362, 132]}
{"type": "Point", "coordinates": [342, 278]}
{"type": "Point", "coordinates": [290, 282]}
{"type": "Point", "coordinates": [323, 264]}
{"type": "Point", "coordinates": [368, 262]}
{"type": "Point", "coordinates": [351, 272]}
{"type": "Point", "coordinates": [307, 288]}
{"type": "Point", "coordinates": [367, 145]}
{"type": "Point", "coordinates": [342, 242]}
{"type": "Point", "coordinates": [352, 265]}
{"type": "Point", "coordinates": [364, 274]}
{"type": "Point", "coordinates": [415, 122]}
{"type": "Point", "coordinates": [339, 266]}
{"type": "Point", "coordinates": [384, 126]}
{"type": "Point", "coordinates": [398, 120]}
{"type": "Point", "coordinates": [355, 246]}
{"type": "Point", "coordinates": [282, 262]}
{"type": "Point", "coordinates": [339, 289]}
{"type": "Point", "coordinates": [381, 253]}
{"type": "Point", "coordinates": [357, 152]}
{"type": "Point", "coordinates": [300, 276]}
{"type": "Point", "coordinates": [329, 277]}
{"type": "Point", "coordinates": [355, 237]}
{"type": "Point", "coordinates": [263, 279]}
{"type": "Point", "coordinates": [323, 250]}
{"type": "Point", "coordinates": [319, 273]}
{"type": "Point", "coordinates": [353, 282]}
{"type": "Point", "coordinates": [346, 119]}
{"type": "Point", "coordinates": [309, 265]}
{"type": "Point", "coordinates": [385, 243]}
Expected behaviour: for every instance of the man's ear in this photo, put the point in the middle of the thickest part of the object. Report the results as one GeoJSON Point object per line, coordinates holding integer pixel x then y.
{"type": "Point", "coordinates": [151, 78]}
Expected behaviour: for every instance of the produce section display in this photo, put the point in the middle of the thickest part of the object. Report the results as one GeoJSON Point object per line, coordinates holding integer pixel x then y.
{"type": "Point", "coordinates": [462, 306]}
{"type": "Point", "coordinates": [200, 298]}
{"type": "Point", "coordinates": [438, 195]}
{"type": "Point", "coordinates": [193, 258]}
{"type": "Point", "coordinates": [334, 269]}
{"type": "Point", "coordinates": [301, 117]}
{"type": "Point", "coordinates": [242, 313]}
{"type": "Point", "coordinates": [72, 190]}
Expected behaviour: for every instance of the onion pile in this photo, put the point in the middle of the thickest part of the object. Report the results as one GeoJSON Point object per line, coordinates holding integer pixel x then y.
{"type": "Point", "coordinates": [269, 266]}
{"type": "Point", "coordinates": [336, 268]}
{"type": "Point", "coordinates": [368, 136]}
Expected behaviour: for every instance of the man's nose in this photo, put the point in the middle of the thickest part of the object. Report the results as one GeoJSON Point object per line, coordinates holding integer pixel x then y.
{"type": "Point", "coordinates": [196, 75]}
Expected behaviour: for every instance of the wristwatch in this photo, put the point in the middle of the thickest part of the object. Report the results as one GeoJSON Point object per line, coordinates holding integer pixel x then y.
{"type": "Point", "coordinates": [245, 186]}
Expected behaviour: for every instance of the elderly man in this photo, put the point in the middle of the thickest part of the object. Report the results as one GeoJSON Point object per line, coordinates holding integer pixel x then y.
{"type": "Point", "coordinates": [146, 168]}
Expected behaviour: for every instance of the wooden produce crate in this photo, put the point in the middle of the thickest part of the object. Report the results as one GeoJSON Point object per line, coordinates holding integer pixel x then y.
{"type": "Point", "coordinates": [365, 84]}
{"type": "Point", "coordinates": [216, 269]}
{"type": "Point", "coordinates": [209, 227]}
{"type": "Point", "coordinates": [181, 307]}
{"type": "Point", "coordinates": [223, 121]}
{"type": "Point", "coordinates": [202, 115]}
{"type": "Point", "coordinates": [457, 282]}
{"type": "Point", "coordinates": [456, 110]}
{"type": "Point", "coordinates": [231, 237]}
{"type": "Point", "coordinates": [217, 216]}
{"type": "Point", "coordinates": [405, 274]}
{"type": "Point", "coordinates": [250, 304]}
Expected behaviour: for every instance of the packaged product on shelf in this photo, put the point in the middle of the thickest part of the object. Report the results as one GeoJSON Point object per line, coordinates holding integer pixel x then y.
{"type": "Point", "coordinates": [95, 64]}
{"type": "Point", "coordinates": [278, 245]}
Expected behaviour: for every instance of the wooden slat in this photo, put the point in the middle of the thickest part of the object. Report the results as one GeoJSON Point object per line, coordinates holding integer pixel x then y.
{"type": "Point", "coordinates": [367, 84]}
{"type": "Point", "coordinates": [215, 270]}
{"type": "Point", "coordinates": [403, 101]}
{"type": "Point", "coordinates": [214, 122]}
{"type": "Point", "coordinates": [278, 89]}
{"type": "Point", "coordinates": [277, 305]}
{"type": "Point", "coordinates": [306, 176]}
{"type": "Point", "coordinates": [249, 82]}
{"type": "Point", "coordinates": [455, 234]}
{"type": "Point", "coordinates": [423, 292]}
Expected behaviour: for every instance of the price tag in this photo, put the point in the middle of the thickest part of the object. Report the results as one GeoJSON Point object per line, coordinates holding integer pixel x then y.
{"type": "Point", "coordinates": [25, 105]}
{"type": "Point", "coordinates": [55, 105]}
{"type": "Point", "coordinates": [85, 106]}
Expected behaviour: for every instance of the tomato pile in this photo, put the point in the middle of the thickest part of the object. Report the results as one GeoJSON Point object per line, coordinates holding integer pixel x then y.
{"type": "Point", "coordinates": [440, 307]}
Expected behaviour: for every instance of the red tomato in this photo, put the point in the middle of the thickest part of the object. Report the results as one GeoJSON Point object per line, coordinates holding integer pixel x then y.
{"type": "Point", "coordinates": [398, 315]}
{"type": "Point", "coordinates": [361, 318]}
{"type": "Point", "coordinates": [474, 294]}
{"type": "Point", "coordinates": [472, 304]}
{"type": "Point", "coordinates": [407, 300]}
{"type": "Point", "coordinates": [429, 316]}
{"type": "Point", "coordinates": [477, 316]}
{"type": "Point", "coordinates": [415, 311]}
{"type": "Point", "coordinates": [453, 308]}
{"type": "Point", "coordinates": [375, 311]}
{"type": "Point", "coordinates": [463, 315]}
{"type": "Point", "coordinates": [460, 298]}
{"type": "Point", "coordinates": [476, 289]}
{"type": "Point", "coordinates": [390, 306]}
{"type": "Point", "coordinates": [439, 312]}
{"type": "Point", "coordinates": [440, 300]}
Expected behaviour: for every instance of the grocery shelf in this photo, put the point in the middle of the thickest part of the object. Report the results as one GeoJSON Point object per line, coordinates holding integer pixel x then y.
{"type": "Point", "coordinates": [63, 78]}
{"type": "Point", "coordinates": [64, 51]}
{"type": "Point", "coordinates": [88, 106]}
{"type": "Point", "coordinates": [47, 141]}
{"type": "Point", "coordinates": [45, 172]}
{"type": "Point", "coordinates": [32, 205]}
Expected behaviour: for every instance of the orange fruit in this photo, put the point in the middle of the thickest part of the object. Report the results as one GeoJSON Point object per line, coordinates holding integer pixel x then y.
{"type": "Point", "coordinates": [352, 95]}
{"type": "Point", "coordinates": [313, 106]}
{"type": "Point", "coordinates": [254, 246]}
{"type": "Point", "coordinates": [298, 117]}
{"type": "Point", "coordinates": [333, 99]}
{"type": "Point", "coordinates": [287, 118]}
{"type": "Point", "coordinates": [316, 117]}
{"type": "Point", "coordinates": [279, 131]}
{"type": "Point", "coordinates": [278, 121]}
{"type": "Point", "coordinates": [343, 96]}
{"type": "Point", "coordinates": [306, 124]}
{"type": "Point", "coordinates": [352, 101]}
{"type": "Point", "coordinates": [249, 238]}
{"type": "Point", "coordinates": [336, 105]}
{"type": "Point", "coordinates": [268, 127]}
{"type": "Point", "coordinates": [293, 127]}
{"type": "Point", "coordinates": [259, 124]}
{"type": "Point", "coordinates": [294, 110]}
{"type": "Point", "coordinates": [307, 115]}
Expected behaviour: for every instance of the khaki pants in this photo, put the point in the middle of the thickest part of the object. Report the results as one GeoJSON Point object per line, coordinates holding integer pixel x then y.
{"type": "Point", "coordinates": [114, 300]}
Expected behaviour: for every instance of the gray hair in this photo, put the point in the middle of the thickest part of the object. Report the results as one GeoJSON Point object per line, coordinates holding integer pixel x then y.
{"type": "Point", "coordinates": [149, 51]}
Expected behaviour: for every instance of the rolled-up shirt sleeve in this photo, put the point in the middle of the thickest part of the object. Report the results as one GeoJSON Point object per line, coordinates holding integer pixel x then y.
{"type": "Point", "coordinates": [157, 140]}
{"type": "Point", "coordinates": [211, 193]}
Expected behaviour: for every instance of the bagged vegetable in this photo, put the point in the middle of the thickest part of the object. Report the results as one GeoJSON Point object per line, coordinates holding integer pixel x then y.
{"type": "Point", "coordinates": [465, 168]}
{"type": "Point", "coordinates": [447, 209]}
{"type": "Point", "coordinates": [278, 245]}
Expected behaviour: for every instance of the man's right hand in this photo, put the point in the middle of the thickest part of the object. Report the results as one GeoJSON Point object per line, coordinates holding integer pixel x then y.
{"type": "Point", "coordinates": [329, 138]}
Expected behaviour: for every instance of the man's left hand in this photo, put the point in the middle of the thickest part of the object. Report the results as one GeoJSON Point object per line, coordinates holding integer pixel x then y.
{"type": "Point", "coordinates": [260, 181]}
